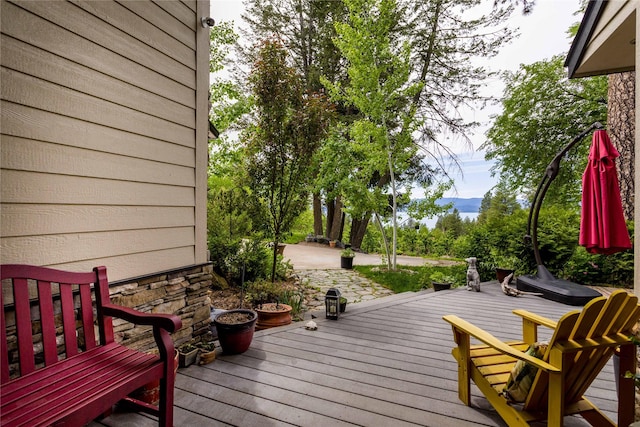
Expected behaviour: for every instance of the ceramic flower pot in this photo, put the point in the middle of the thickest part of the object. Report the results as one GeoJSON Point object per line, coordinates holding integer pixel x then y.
{"type": "Point", "coordinates": [235, 330]}
{"type": "Point", "coordinates": [272, 315]}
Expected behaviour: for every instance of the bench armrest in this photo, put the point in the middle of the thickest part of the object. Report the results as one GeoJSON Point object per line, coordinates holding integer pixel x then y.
{"type": "Point", "coordinates": [168, 322]}
{"type": "Point", "coordinates": [463, 327]}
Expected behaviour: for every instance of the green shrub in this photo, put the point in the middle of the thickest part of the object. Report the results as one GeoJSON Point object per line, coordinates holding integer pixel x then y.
{"type": "Point", "coordinates": [230, 258]}
{"type": "Point", "coordinates": [264, 291]}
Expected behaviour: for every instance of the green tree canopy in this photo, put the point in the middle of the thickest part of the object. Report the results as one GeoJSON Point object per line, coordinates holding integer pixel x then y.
{"type": "Point", "coordinates": [542, 112]}
{"type": "Point", "coordinates": [280, 146]}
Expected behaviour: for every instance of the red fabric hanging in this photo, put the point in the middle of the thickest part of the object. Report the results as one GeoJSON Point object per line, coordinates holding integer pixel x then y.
{"type": "Point", "coordinates": [602, 226]}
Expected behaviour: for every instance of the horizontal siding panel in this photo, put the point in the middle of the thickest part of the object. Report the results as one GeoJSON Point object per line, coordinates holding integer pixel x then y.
{"type": "Point", "coordinates": [99, 32]}
{"type": "Point", "coordinates": [61, 42]}
{"type": "Point", "coordinates": [180, 11]}
{"type": "Point", "coordinates": [26, 90]}
{"type": "Point", "coordinates": [30, 220]}
{"type": "Point", "coordinates": [35, 156]}
{"type": "Point", "coordinates": [135, 265]}
{"type": "Point", "coordinates": [191, 4]}
{"type": "Point", "coordinates": [63, 248]}
{"type": "Point", "coordinates": [181, 25]}
{"type": "Point", "coordinates": [32, 187]}
{"type": "Point", "coordinates": [29, 123]}
{"type": "Point", "coordinates": [137, 27]}
{"type": "Point", "coordinates": [30, 60]}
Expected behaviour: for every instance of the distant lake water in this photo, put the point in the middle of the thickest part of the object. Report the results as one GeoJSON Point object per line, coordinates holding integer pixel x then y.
{"type": "Point", "coordinates": [431, 222]}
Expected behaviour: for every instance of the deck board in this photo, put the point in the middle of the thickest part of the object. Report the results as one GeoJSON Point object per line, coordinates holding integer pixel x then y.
{"type": "Point", "coordinates": [385, 362]}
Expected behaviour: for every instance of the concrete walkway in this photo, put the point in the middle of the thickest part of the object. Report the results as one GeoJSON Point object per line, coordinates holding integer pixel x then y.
{"type": "Point", "coordinates": [319, 266]}
{"type": "Point", "coordinates": [305, 256]}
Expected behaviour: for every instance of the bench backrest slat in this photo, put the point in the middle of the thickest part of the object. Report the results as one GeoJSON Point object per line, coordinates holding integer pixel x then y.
{"type": "Point", "coordinates": [68, 319]}
{"type": "Point", "coordinates": [87, 317]}
{"type": "Point", "coordinates": [4, 354]}
{"type": "Point", "coordinates": [47, 321]}
{"type": "Point", "coordinates": [23, 326]}
{"type": "Point", "coordinates": [51, 308]}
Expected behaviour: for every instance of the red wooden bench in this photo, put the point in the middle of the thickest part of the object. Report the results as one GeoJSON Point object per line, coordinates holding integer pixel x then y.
{"type": "Point", "coordinates": [71, 377]}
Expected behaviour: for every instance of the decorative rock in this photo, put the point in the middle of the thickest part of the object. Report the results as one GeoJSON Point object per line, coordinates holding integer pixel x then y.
{"type": "Point", "coordinates": [311, 325]}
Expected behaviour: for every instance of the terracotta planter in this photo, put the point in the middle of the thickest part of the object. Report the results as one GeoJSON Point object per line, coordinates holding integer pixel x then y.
{"type": "Point", "coordinates": [235, 338]}
{"type": "Point", "coordinates": [332, 243]}
{"type": "Point", "coordinates": [272, 315]}
{"type": "Point", "coordinates": [346, 262]}
{"type": "Point", "coordinates": [150, 393]}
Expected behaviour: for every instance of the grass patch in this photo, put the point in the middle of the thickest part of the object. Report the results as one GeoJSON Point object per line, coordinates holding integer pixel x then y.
{"type": "Point", "coordinates": [410, 278]}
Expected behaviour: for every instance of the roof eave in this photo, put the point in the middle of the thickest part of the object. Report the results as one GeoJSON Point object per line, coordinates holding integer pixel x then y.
{"type": "Point", "coordinates": [581, 40]}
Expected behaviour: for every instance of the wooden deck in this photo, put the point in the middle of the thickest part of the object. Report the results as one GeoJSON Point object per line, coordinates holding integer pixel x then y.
{"type": "Point", "coordinates": [384, 363]}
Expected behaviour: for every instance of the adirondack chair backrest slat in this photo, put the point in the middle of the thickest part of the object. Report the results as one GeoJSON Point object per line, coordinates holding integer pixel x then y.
{"type": "Point", "coordinates": [601, 317]}
{"type": "Point", "coordinates": [538, 391]}
{"type": "Point", "coordinates": [614, 318]}
{"type": "Point", "coordinates": [48, 308]}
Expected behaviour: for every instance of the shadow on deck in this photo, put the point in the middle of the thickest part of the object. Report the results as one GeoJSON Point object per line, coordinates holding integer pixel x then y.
{"type": "Point", "coordinates": [385, 362]}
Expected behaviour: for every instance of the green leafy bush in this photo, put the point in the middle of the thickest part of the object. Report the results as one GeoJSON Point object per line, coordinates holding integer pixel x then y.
{"type": "Point", "coordinates": [230, 259]}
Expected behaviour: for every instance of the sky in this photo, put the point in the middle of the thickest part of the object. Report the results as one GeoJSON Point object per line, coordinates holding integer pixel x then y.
{"type": "Point", "coordinates": [543, 33]}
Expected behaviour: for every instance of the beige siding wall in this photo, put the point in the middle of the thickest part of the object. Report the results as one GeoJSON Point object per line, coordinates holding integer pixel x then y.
{"type": "Point", "coordinates": [104, 134]}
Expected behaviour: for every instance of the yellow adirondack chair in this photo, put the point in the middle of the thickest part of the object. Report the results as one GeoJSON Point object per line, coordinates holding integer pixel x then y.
{"type": "Point", "coordinates": [581, 344]}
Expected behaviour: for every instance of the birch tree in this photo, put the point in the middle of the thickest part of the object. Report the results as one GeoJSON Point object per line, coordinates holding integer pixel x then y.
{"type": "Point", "coordinates": [379, 88]}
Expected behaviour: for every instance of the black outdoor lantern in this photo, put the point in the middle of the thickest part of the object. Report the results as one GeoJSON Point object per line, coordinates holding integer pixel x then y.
{"type": "Point", "coordinates": [332, 303]}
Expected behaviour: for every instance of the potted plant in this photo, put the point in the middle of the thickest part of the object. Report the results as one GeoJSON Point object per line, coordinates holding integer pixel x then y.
{"type": "Point", "coordinates": [346, 258]}
{"type": "Point", "coordinates": [235, 329]}
{"type": "Point", "coordinates": [504, 266]}
{"type": "Point", "coordinates": [207, 352]}
{"type": "Point", "coordinates": [187, 354]}
{"type": "Point", "coordinates": [441, 281]}
{"type": "Point", "coordinates": [261, 295]}
{"type": "Point", "coordinates": [273, 314]}
{"type": "Point", "coordinates": [343, 304]}
{"type": "Point", "coordinates": [332, 243]}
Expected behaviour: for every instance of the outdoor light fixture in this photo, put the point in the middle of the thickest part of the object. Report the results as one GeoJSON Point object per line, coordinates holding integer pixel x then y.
{"type": "Point", "coordinates": [207, 22]}
{"type": "Point", "coordinates": [332, 303]}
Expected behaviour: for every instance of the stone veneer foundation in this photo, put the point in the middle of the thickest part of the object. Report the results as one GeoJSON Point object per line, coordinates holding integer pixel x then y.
{"type": "Point", "coordinates": [182, 292]}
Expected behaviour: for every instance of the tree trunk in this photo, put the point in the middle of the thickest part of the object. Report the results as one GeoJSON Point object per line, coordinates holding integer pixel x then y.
{"type": "Point", "coordinates": [358, 230]}
{"type": "Point", "coordinates": [317, 215]}
{"type": "Point", "coordinates": [334, 234]}
{"type": "Point", "coordinates": [331, 210]}
{"type": "Point", "coordinates": [621, 129]}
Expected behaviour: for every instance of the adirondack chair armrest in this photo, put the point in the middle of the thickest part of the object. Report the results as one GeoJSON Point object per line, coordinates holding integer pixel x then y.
{"type": "Point", "coordinates": [168, 322]}
{"type": "Point", "coordinates": [462, 326]}
{"type": "Point", "coordinates": [530, 323]}
{"type": "Point", "coordinates": [535, 318]}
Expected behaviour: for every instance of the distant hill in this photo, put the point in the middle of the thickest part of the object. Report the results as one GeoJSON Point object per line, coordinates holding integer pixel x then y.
{"type": "Point", "coordinates": [463, 205]}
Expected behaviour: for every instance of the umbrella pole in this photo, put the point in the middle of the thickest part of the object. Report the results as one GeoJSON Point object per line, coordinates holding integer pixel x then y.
{"type": "Point", "coordinates": [550, 174]}
{"type": "Point", "coordinates": [543, 282]}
